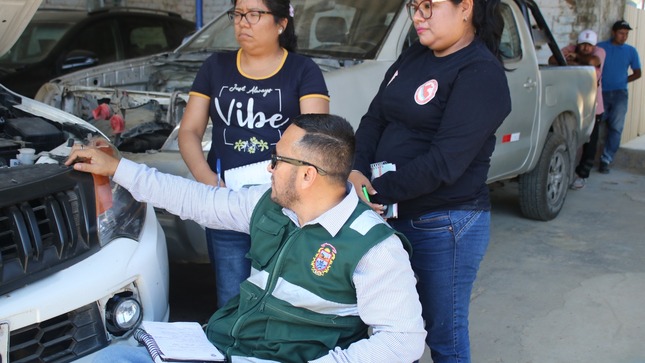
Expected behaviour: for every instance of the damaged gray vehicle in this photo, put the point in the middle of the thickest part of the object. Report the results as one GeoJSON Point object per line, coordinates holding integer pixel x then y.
{"type": "Point", "coordinates": [141, 102]}
{"type": "Point", "coordinates": [150, 93]}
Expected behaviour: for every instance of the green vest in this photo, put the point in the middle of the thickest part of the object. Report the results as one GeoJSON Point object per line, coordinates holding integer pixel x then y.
{"type": "Point", "coordinates": [301, 301]}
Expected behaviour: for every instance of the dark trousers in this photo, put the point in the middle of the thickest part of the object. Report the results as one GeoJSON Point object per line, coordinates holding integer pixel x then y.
{"type": "Point", "coordinates": [589, 150]}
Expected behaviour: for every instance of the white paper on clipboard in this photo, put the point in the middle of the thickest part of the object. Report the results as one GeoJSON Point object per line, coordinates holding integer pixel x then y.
{"type": "Point", "coordinates": [247, 175]}
{"type": "Point", "coordinates": [379, 169]}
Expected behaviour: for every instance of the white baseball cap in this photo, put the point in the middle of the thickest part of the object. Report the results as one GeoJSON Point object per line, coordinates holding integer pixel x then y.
{"type": "Point", "coordinates": [588, 36]}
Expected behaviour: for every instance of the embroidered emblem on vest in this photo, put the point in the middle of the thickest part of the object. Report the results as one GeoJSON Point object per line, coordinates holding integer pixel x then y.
{"type": "Point", "coordinates": [425, 93]}
{"type": "Point", "coordinates": [324, 258]}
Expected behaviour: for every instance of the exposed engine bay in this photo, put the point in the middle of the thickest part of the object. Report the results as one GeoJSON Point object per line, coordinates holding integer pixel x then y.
{"type": "Point", "coordinates": [26, 128]}
{"type": "Point", "coordinates": [135, 121]}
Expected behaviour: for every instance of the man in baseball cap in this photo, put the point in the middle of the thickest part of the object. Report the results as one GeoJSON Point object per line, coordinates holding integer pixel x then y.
{"type": "Point", "coordinates": [615, 76]}
{"type": "Point", "coordinates": [585, 52]}
{"type": "Point", "coordinates": [621, 24]}
{"type": "Point", "coordinates": [588, 36]}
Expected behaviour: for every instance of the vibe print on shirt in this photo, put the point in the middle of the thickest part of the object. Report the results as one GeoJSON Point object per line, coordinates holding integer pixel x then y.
{"type": "Point", "coordinates": [249, 114]}
{"type": "Point", "coordinates": [236, 107]}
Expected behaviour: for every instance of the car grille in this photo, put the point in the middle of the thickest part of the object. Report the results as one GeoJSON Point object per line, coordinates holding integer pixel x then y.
{"type": "Point", "coordinates": [47, 222]}
{"type": "Point", "coordinates": [62, 339]}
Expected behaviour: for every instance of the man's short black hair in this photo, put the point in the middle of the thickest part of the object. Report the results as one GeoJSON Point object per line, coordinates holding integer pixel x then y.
{"type": "Point", "coordinates": [330, 140]}
{"type": "Point", "coordinates": [621, 24]}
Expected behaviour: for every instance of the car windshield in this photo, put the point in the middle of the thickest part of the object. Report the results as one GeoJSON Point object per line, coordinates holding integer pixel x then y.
{"type": "Point", "coordinates": [35, 43]}
{"type": "Point", "coordinates": [342, 28]}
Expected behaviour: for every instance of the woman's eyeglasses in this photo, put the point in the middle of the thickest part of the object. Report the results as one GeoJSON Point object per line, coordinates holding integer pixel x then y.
{"type": "Point", "coordinates": [424, 8]}
{"type": "Point", "coordinates": [252, 17]}
{"type": "Point", "coordinates": [275, 158]}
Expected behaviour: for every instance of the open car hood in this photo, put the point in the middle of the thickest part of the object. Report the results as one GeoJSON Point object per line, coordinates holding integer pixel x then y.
{"type": "Point", "coordinates": [24, 119]}
{"type": "Point", "coordinates": [14, 17]}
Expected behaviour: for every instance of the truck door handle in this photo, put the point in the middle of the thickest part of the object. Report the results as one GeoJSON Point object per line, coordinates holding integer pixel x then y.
{"type": "Point", "coordinates": [530, 84]}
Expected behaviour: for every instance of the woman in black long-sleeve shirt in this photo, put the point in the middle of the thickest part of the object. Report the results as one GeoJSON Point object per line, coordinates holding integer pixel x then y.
{"type": "Point", "coordinates": [435, 116]}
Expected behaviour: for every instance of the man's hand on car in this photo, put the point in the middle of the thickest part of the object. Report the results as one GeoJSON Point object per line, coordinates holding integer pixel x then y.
{"type": "Point", "coordinates": [93, 159]}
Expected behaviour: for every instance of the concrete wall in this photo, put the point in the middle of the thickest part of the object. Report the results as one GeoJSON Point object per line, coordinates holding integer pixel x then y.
{"type": "Point", "coordinates": [568, 18]}
{"type": "Point", "coordinates": [635, 120]}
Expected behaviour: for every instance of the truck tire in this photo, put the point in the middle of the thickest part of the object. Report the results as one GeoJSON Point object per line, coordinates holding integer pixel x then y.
{"type": "Point", "coordinates": [542, 190]}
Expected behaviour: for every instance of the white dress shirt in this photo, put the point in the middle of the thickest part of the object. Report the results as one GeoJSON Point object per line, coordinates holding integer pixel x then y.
{"type": "Point", "coordinates": [385, 284]}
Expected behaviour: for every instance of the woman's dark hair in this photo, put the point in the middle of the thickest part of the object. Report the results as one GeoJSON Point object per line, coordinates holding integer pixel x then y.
{"type": "Point", "coordinates": [489, 24]}
{"type": "Point", "coordinates": [281, 9]}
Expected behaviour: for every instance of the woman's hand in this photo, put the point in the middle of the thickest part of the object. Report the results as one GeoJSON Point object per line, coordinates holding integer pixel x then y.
{"type": "Point", "coordinates": [359, 181]}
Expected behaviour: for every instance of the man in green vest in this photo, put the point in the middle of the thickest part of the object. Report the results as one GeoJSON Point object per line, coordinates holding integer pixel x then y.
{"type": "Point", "coordinates": [330, 280]}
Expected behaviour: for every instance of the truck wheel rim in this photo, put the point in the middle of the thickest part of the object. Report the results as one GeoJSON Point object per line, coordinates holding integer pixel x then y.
{"type": "Point", "coordinates": [557, 178]}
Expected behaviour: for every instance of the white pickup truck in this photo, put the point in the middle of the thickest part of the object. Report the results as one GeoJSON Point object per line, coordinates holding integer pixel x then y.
{"type": "Point", "coordinates": [81, 262]}
{"type": "Point", "coordinates": [354, 42]}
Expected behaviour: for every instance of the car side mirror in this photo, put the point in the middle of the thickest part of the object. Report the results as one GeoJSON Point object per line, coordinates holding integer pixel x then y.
{"type": "Point", "coordinates": [77, 59]}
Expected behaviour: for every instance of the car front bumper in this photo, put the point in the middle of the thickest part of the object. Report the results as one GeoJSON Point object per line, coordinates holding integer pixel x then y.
{"type": "Point", "coordinates": [73, 300]}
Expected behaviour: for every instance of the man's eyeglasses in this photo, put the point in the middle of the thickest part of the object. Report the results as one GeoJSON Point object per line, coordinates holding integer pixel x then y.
{"type": "Point", "coordinates": [252, 17]}
{"type": "Point", "coordinates": [275, 158]}
{"type": "Point", "coordinates": [424, 7]}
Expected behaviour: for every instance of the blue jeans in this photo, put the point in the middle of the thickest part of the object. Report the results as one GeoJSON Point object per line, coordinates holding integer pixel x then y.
{"type": "Point", "coordinates": [123, 354]}
{"type": "Point", "coordinates": [615, 103]}
{"type": "Point", "coordinates": [447, 247]}
{"type": "Point", "coordinates": [227, 251]}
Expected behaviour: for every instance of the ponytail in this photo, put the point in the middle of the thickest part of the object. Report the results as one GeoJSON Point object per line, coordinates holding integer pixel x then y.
{"type": "Point", "coordinates": [282, 9]}
{"type": "Point", "coordinates": [489, 24]}
{"type": "Point", "coordinates": [288, 39]}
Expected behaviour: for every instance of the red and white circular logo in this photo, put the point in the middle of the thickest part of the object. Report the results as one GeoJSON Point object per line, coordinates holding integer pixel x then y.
{"type": "Point", "coordinates": [426, 92]}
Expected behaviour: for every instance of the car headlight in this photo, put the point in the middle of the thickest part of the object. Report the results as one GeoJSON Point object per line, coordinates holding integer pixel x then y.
{"type": "Point", "coordinates": [125, 217]}
{"type": "Point", "coordinates": [119, 214]}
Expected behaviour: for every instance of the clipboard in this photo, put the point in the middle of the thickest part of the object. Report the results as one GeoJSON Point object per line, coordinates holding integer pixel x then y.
{"type": "Point", "coordinates": [379, 169]}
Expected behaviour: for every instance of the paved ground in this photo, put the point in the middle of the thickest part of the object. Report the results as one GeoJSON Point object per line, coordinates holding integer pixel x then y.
{"type": "Point", "coordinates": [566, 291]}
{"type": "Point", "coordinates": [569, 290]}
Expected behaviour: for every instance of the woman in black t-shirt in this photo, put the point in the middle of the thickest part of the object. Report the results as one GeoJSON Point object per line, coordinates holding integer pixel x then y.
{"type": "Point", "coordinates": [250, 96]}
